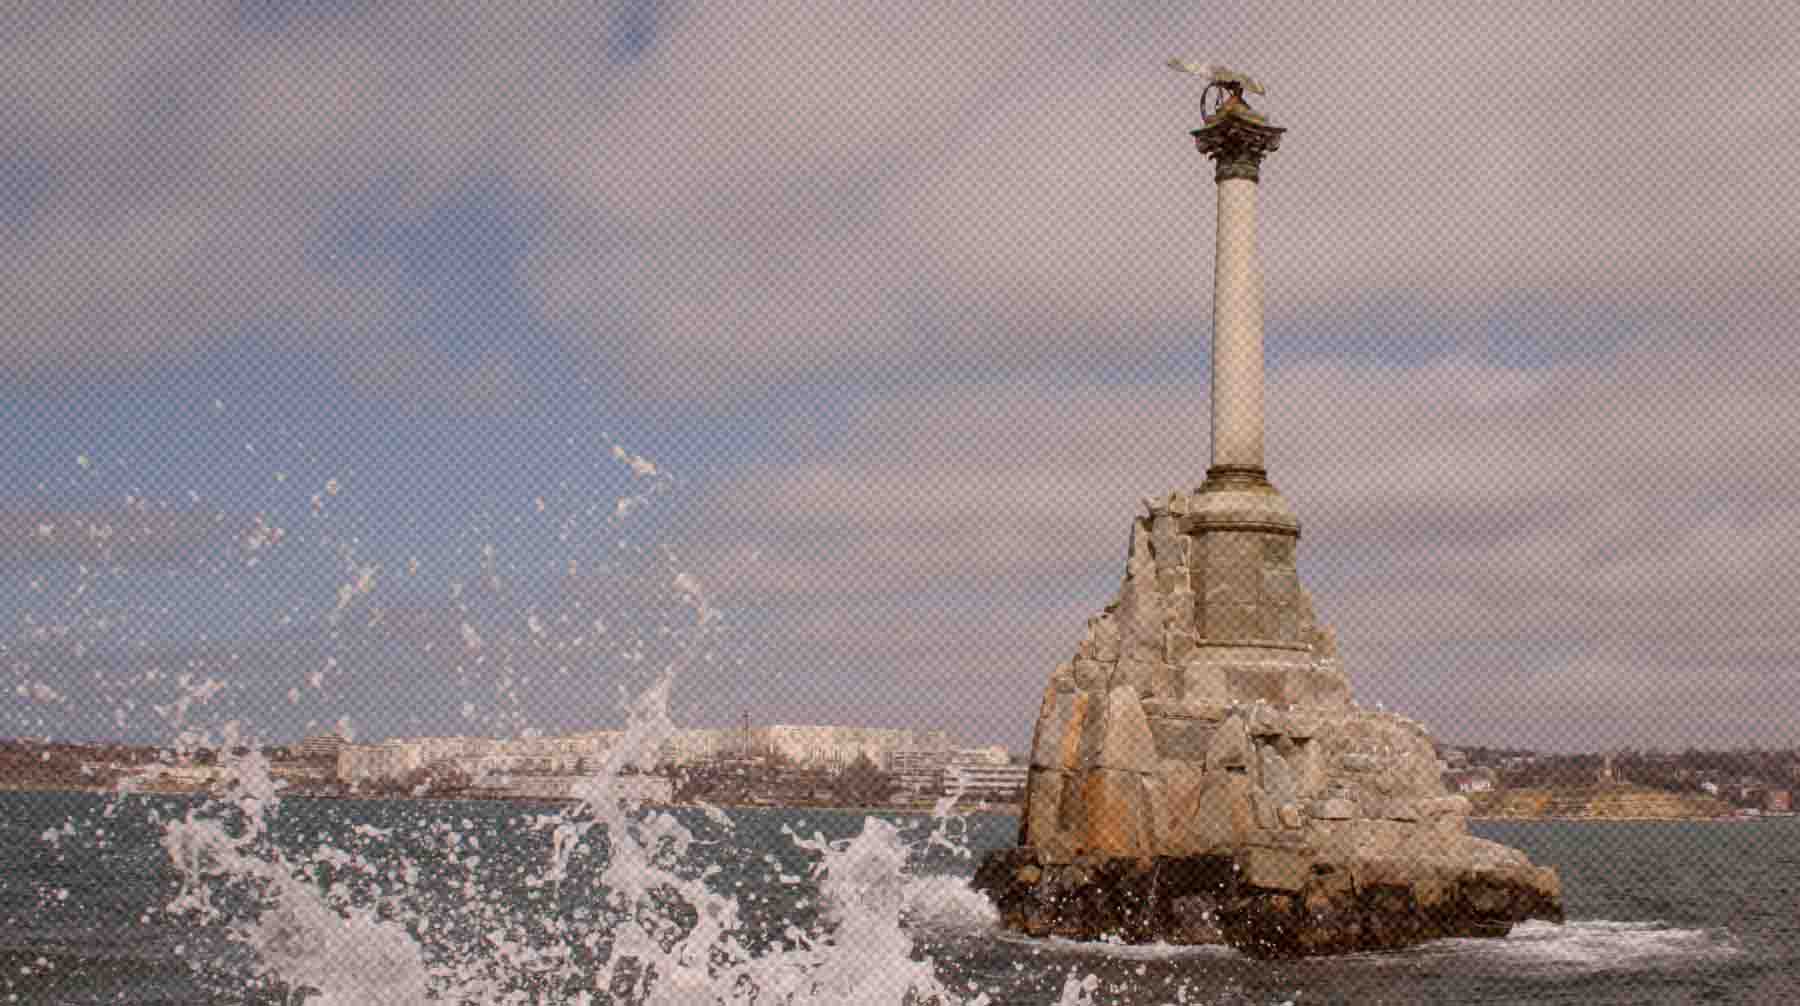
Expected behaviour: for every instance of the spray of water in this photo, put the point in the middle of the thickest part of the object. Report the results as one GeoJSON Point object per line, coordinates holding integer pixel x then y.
{"type": "Point", "coordinates": [652, 927]}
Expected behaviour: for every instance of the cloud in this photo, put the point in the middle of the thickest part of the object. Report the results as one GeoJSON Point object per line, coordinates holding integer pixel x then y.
{"type": "Point", "coordinates": [776, 191]}
{"type": "Point", "coordinates": [197, 166]}
{"type": "Point", "coordinates": [1001, 213]}
{"type": "Point", "coordinates": [1529, 283]}
{"type": "Point", "coordinates": [1489, 540]}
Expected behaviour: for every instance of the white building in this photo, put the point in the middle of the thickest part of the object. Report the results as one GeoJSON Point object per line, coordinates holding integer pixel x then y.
{"type": "Point", "coordinates": [920, 770]}
{"type": "Point", "coordinates": [984, 773]}
{"type": "Point", "coordinates": [803, 746]}
{"type": "Point", "coordinates": [321, 746]}
{"type": "Point", "coordinates": [830, 747]}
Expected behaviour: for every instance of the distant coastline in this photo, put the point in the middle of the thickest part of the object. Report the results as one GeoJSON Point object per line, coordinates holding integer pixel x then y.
{"type": "Point", "coordinates": [13, 786]}
{"type": "Point", "coordinates": [1599, 802]}
{"type": "Point", "coordinates": [1586, 804]}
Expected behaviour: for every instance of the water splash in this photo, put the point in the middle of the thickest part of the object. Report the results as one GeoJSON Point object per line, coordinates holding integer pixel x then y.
{"type": "Point", "coordinates": [663, 933]}
{"type": "Point", "coordinates": [626, 903]}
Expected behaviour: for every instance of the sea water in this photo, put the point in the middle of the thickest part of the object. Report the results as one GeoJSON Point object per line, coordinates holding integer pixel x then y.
{"type": "Point", "coordinates": [482, 902]}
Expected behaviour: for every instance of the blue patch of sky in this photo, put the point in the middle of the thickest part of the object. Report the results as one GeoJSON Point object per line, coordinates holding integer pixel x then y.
{"type": "Point", "coordinates": [460, 254]}
{"type": "Point", "coordinates": [257, 424]}
{"type": "Point", "coordinates": [634, 28]}
{"type": "Point", "coordinates": [25, 187]}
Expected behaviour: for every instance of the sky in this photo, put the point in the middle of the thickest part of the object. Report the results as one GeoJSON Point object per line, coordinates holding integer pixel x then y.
{"type": "Point", "coordinates": [458, 368]}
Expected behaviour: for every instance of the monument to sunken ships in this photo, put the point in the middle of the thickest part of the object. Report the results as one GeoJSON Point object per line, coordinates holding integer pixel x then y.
{"type": "Point", "coordinates": [1199, 773]}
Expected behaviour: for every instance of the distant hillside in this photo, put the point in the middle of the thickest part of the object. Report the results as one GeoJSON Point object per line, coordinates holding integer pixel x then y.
{"type": "Point", "coordinates": [1625, 802]}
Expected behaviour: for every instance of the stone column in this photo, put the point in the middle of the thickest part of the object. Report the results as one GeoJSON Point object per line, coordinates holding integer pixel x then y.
{"type": "Point", "coordinates": [1237, 139]}
{"type": "Point", "coordinates": [1253, 624]}
{"type": "Point", "coordinates": [1237, 350]}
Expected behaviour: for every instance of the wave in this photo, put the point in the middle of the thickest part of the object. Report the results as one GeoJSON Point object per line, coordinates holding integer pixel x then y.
{"type": "Point", "coordinates": [1597, 945]}
{"type": "Point", "coordinates": [1113, 949]}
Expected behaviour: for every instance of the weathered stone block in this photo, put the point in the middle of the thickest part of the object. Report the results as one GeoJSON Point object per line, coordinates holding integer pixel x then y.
{"type": "Point", "coordinates": [1182, 781]}
{"type": "Point", "coordinates": [1070, 815]}
{"type": "Point", "coordinates": [1204, 682]}
{"type": "Point", "coordinates": [1393, 809]}
{"type": "Point", "coordinates": [1276, 685]}
{"type": "Point", "coordinates": [1384, 871]}
{"type": "Point", "coordinates": [1179, 646]}
{"type": "Point", "coordinates": [1120, 739]}
{"type": "Point", "coordinates": [1277, 776]}
{"type": "Point", "coordinates": [1290, 815]}
{"type": "Point", "coordinates": [1063, 678]}
{"type": "Point", "coordinates": [1182, 739]}
{"type": "Point", "coordinates": [1169, 580]}
{"type": "Point", "coordinates": [1278, 550]}
{"type": "Point", "coordinates": [1262, 808]}
{"type": "Point", "coordinates": [1275, 869]}
{"type": "Point", "coordinates": [1049, 737]}
{"type": "Point", "coordinates": [1230, 747]}
{"type": "Point", "coordinates": [1165, 682]}
{"type": "Point", "coordinates": [1168, 546]}
{"type": "Point", "coordinates": [1117, 811]}
{"type": "Point", "coordinates": [1178, 609]}
{"type": "Point", "coordinates": [1140, 621]}
{"type": "Point", "coordinates": [1308, 764]}
{"type": "Point", "coordinates": [1230, 621]}
{"type": "Point", "coordinates": [1280, 588]}
{"type": "Point", "coordinates": [1335, 809]}
{"type": "Point", "coordinates": [1223, 818]}
{"type": "Point", "coordinates": [1138, 675]}
{"type": "Point", "coordinates": [1186, 709]}
{"type": "Point", "coordinates": [1232, 548]}
{"type": "Point", "coordinates": [1287, 626]}
{"type": "Point", "coordinates": [1057, 740]}
{"type": "Point", "coordinates": [1093, 675]}
{"type": "Point", "coordinates": [1227, 585]}
{"type": "Point", "coordinates": [1159, 815]}
{"type": "Point", "coordinates": [1302, 725]}
{"type": "Point", "coordinates": [1264, 720]}
{"type": "Point", "coordinates": [1043, 798]}
{"type": "Point", "coordinates": [1324, 643]}
{"type": "Point", "coordinates": [1327, 687]}
{"type": "Point", "coordinates": [1137, 553]}
{"type": "Point", "coordinates": [1103, 637]}
{"type": "Point", "coordinates": [1268, 622]}
{"type": "Point", "coordinates": [1443, 805]}
{"type": "Point", "coordinates": [1163, 525]}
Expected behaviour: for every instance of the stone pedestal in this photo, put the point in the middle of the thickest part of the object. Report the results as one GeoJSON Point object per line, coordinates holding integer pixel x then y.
{"type": "Point", "coordinates": [1199, 772]}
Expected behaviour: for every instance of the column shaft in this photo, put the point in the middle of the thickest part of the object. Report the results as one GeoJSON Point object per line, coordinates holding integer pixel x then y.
{"type": "Point", "coordinates": [1237, 344]}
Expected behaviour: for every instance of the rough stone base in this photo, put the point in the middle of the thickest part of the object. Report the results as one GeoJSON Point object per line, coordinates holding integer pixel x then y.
{"type": "Point", "coordinates": [1201, 774]}
{"type": "Point", "coordinates": [1264, 903]}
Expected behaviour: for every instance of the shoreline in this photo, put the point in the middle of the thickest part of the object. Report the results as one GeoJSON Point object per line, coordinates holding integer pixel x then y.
{"type": "Point", "coordinates": [1600, 819]}
{"type": "Point", "coordinates": [1006, 810]}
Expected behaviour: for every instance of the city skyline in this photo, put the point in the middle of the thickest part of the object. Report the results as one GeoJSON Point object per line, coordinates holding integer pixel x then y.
{"type": "Point", "coordinates": [466, 372]}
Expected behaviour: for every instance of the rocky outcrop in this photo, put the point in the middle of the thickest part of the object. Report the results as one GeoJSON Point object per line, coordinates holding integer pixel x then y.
{"type": "Point", "coordinates": [1275, 902]}
{"type": "Point", "coordinates": [1199, 772]}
